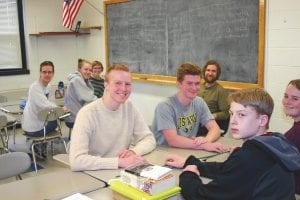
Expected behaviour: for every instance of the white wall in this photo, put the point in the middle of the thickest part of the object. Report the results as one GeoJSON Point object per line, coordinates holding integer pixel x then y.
{"type": "Point", "coordinates": [64, 51]}
{"type": "Point", "coordinates": [281, 63]}
{"type": "Point", "coordinates": [282, 54]}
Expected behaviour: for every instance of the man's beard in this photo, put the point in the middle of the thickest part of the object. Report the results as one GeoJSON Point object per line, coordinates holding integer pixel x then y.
{"type": "Point", "coordinates": [211, 80]}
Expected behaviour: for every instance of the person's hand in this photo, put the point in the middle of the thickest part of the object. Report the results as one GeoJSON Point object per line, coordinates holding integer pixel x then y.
{"type": "Point", "coordinates": [214, 146]}
{"type": "Point", "coordinates": [192, 168]}
{"type": "Point", "coordinates": [65, 109]}
{"type": "Point", "coordinates": [130, 160]}
{"type": "Point", "coordinates": [175, 161]}
{"type": "Point", "coordinates": [200, 140]}
{"type": "Point", "coordinates": [126, 153]}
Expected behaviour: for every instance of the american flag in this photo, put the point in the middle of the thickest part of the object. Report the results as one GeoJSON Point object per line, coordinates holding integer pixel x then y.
{"type": "Point", "coordinates": [70, 10]}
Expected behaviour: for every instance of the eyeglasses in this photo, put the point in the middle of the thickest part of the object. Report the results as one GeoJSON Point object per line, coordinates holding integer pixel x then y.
{"type": "Point", "coordinates": [47, 72]}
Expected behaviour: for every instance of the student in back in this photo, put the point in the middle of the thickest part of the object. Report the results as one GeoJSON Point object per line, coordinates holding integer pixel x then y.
{"type": "Point", "coordinates": [215, 96]}
{"type": "Point", "coordinates": [39, 98]}
{"type": "Point", "coordinates": [261, 169]}
{"type": "Point", "coordinates": [291, 105]}
{"type": "Point", "coordinates": [96, 80]}
{"type": "Point", "coordinates": [80, 91]}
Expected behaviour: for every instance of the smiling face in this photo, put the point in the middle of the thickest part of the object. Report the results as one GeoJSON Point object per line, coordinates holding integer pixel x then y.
{"type": "Point", "coordinates": [118, 87]}
{"type": "Point", "coordinates": [245, 122]}
{"type": "Point", "coordinates": [210, 73]}
{"type": "Point", "coordinates": [97, 70]}
{"type": "Point", "coordinates": [291, 102]}
{"type": "Point", "coordinates": [85, 70]}
{"type": "Point", "coordinates": [189, 87]}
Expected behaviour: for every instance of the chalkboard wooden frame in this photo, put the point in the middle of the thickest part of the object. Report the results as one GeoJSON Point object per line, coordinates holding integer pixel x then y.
{"type": "Point", "coordinates": [230, 85]}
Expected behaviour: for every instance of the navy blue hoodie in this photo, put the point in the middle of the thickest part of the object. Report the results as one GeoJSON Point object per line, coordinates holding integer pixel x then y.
{"type": "Point", "coordinates": [261, 169]}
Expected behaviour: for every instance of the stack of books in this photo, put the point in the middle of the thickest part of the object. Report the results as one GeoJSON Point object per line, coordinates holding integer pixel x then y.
{"type": "Point", "coordinates": [145, 181]}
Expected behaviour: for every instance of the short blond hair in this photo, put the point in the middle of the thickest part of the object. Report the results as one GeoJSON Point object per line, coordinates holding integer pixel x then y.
{"type": "Point", "coordinates": [258, 99]}
{"type": "Point", "coordinates": [116, 67]}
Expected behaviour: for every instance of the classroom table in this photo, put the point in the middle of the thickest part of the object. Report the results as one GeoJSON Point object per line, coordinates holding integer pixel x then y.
{"type": "Point", "coordinates": [156, 157]}
{"type": "Point", "coordinates": [12, 107]}
{"type": "Point", "coordinates": [56, 185]}
{"type": "Point", "coordinates": [4, 135]}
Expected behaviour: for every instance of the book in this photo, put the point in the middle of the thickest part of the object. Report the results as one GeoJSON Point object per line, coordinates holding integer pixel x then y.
{"type": "Point", "coordinates": [148, 185]}
{"type": "Point", "coordinates": [149, 171]}
{"type": "Point", "coordinates": [129, 192]}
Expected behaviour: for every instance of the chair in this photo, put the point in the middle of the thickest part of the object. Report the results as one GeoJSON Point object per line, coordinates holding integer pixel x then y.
{"type": "Point", "coordinates": [14, 164]}
{"type": "Point", "coordinates": [46, 115]}
{"type": "Point", "coordinates": [3, 99]}
{"type": "Point", "coordinates": [3, 134]}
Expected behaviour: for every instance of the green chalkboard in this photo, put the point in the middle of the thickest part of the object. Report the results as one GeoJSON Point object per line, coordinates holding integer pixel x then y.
{"type": "Point", "coordinates": [153, 37]}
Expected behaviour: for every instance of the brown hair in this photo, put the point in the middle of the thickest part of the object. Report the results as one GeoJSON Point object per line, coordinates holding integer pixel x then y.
{"type": "Point", "coordinates": [97, 63]}
{"type": "Point", "coordinates": [48, 63]}
{"type": "Point", "coordinates": [213, 62]}
{"type": "Point", "coordinates": [257, 98]}
{"type": "Point", "coordinates": [296, 83]}
{"type": "Point", "coordinates": [187, 69]}
{"type": "Point", "coordinates": [116, 67]}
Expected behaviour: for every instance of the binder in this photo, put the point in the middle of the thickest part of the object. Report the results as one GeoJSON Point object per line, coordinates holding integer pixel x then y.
{"type": "Point", "coordinates": [135, 194]}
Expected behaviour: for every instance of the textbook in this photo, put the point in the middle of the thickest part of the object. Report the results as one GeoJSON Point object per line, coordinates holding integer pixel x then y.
{"type": "Point", "coordinates": [148, 170]}
{"type": "Point", "coordinates": [125, 191]}
{"type": "Point", "coordinates": [148, 185]}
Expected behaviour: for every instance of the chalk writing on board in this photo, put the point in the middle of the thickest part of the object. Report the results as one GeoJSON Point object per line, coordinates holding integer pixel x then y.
{"type": "Point", "coordinates": [156, 36]}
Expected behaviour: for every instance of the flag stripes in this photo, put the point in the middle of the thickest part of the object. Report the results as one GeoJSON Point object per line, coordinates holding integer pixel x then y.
{"type": "Point", "coordinates": [70, 10]}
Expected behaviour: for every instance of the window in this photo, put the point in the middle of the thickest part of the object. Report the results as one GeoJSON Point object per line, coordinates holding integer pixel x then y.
{"type": "Point", "coordinates": [12, 40]}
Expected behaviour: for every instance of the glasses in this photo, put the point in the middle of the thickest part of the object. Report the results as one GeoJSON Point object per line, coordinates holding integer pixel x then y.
{"type": "Point", "coordinates": [47, 72]}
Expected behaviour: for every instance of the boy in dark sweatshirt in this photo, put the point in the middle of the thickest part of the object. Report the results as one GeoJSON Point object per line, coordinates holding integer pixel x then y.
{"type": "Point", "coordinates": [261, 169]}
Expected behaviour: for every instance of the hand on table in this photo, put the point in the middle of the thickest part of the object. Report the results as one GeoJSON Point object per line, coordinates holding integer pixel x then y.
{"type": "Point", "coordinates": [175, 161]}
{"type": "Point", "coordinates": [126, 153]}
{"type": "Point", "coordinates": [192, 168]}
{"type": "Point", "coordinates": [215, 147]}
{"type": "Point", "coordinates": [130, 160]}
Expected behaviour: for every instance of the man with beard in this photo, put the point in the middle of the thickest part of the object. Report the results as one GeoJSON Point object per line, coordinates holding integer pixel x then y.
{"type": "Point", "coordinates": [215, 96]}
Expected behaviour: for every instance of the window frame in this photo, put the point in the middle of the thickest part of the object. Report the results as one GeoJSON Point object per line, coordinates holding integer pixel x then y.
{"type": "Point", "coordinates": [24, 69]}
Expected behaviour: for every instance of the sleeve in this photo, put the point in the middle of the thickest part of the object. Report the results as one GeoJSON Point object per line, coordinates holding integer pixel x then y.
{"type": "Point", "coordinates": [82, 91]}
{"type": "Point", "coordinates": [39, 99]}
{"type": "Point", "coordinates": [223, 105]}
{"type": "Point", "coordinates": [79, 156]}
{"type": "Point", "coordinates": [228, 176]}
{"type": "Point", "coordinates": [143, 138]}
{"type": "Point", "coordinates": [164, 117]}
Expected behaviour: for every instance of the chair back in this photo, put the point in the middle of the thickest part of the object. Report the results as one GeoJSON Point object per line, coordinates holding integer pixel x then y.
{"type": "Point", "coordinates": [13, 164]}
{"type": "Point", "coordinates": [3, 121]}
{"type": "Point", "coordinates": [50, 114]}
{"type": "Point", "coordinates": [3, 99]}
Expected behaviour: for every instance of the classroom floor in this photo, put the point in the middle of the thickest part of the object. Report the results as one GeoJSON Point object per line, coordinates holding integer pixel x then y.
{"type": "Point", "coordinates": [49, 165]}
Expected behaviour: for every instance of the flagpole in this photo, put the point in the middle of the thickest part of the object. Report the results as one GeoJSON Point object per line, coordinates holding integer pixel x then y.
{"type": "Point", "coordinates": [94, 7]}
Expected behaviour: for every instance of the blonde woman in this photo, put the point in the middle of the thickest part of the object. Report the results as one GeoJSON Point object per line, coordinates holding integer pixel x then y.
{"type": "Point", "coordinates": [80, 91]}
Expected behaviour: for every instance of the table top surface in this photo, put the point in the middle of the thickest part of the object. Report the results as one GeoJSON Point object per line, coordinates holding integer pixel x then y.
{"type": "Point", "coordinates": [55, 185]}
{"type": "Point", "coordinates": [65, 183]}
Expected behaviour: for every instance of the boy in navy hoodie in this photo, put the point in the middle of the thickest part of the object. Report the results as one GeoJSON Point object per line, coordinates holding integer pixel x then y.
{"type": "Point", "coordinates": [261, 169]}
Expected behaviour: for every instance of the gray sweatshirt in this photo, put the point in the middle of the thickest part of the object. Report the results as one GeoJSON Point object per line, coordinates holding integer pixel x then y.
{"type": "Point", "coordinates": [79, 93]}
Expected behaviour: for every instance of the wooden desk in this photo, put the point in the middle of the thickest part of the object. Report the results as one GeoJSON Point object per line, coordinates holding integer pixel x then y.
{"type": "Point", "coordinates": [50, 186]}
